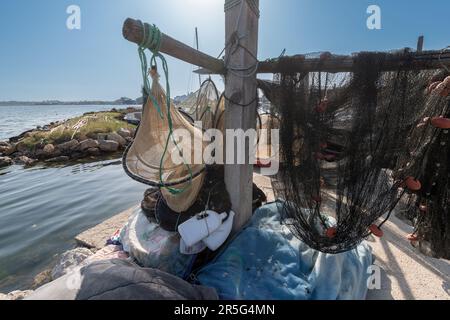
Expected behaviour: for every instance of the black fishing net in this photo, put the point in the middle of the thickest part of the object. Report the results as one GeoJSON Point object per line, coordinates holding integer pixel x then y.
{"type": "Point", "coordinates": [426, 158]}
{"type": "Point", "coordinates": [344, 142]}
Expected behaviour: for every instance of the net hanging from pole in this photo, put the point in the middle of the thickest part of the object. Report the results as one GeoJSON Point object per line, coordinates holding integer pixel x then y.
{"type": "Point", "coordinates": [343, 145]}
{"type": "Point", "coordinates": [203, 105]}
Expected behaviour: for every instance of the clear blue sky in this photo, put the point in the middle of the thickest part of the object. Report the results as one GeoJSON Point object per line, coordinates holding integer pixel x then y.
{"type": "Point", "coordinates": [41, 59]}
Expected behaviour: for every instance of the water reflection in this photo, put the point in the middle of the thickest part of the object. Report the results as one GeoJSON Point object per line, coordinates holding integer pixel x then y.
{"type": "Point", "coordinates": [43, 208]}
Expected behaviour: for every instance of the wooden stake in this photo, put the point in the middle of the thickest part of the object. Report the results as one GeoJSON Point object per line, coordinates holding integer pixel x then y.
{"type": "Point", "coordinates": [244, 16]}
{"type": "Point", "coordinates": [420, 44]}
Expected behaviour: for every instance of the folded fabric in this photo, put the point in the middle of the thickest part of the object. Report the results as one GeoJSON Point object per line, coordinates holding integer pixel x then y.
{"type": "Point", "coordinates": [120, 280]}
{"type": "Point", "coordinates": [266, 262]}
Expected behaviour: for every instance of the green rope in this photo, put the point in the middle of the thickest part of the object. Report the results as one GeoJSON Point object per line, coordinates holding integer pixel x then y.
{"type": "Point", "coordinates": [152, 41]}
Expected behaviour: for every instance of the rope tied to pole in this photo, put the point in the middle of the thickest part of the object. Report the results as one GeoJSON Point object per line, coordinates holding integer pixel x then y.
{"type": "Point", "coordinates": [152, 40]}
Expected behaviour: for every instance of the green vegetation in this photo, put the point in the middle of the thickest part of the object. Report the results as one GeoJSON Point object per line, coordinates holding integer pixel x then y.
{"type": "Point", "coordinates": [80, 128]}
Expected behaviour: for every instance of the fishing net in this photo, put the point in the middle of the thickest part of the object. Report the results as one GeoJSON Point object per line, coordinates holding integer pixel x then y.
{"type": "Point", "coordinates": [165, 152]}
{"type": "Point", "coordinates": [429, 164]}
{"type": "Point", "coordinates": [342, 145]}
{"type": "Point", "coordinates": [203, 105]}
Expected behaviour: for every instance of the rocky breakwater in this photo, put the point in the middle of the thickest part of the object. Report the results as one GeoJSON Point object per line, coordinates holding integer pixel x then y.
{"type": "Point", "coordinates": [75, 139]}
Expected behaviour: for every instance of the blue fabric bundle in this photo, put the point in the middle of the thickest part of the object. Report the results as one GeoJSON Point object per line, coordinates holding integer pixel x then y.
{"type": "Point", "coordinates": [266, 262]}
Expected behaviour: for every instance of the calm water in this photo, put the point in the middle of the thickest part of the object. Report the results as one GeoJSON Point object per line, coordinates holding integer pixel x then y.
{"type": "Point", "coordinates": [42, 209]}
{"type": "Point", "coordinates": [17, 119]}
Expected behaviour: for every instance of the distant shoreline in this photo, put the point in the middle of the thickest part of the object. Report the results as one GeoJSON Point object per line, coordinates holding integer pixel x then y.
{"type": "Point", "coordinates": [120, 102]}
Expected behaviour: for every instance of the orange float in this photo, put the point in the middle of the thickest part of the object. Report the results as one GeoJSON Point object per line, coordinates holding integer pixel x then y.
{"type": "Point", "coordinates": [376, 231]}
{"type": "Point", "coordinates": [413, 184]}
{"type": "Point", "coordinates": [441, 122]}
{"type": "Point", "coordinates": [331, 232]}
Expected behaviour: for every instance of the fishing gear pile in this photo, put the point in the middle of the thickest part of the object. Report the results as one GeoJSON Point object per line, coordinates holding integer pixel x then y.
{"type": "Point", "coordinates": [344, 158]}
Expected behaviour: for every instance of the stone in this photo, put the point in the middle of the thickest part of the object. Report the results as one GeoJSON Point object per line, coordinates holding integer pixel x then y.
{"type": "Point", "coordinates": [69, 261]}
{"type": "Point", "coordinates": [108, 145]}
{"type": "Point", "coordinates": [78, 155]}
{"type": "Point", "coordinates": [124, 133]}
{"type": "Point", "coordinates": [68, 146]}
{"type": "Point", "coordinates": [97, 236]}
{"type": "Point", "coordinates": [42, 278]}
{"type": "Point", "coordinates": [4, 144]}
{"type": "Point", "coordinates": [132, 132]}
{"type": "Point", "coordinates": [3, 149]}
{"type": "Point", "coordinates": [102, 136]}
{"type": "Point", "coordinates": [16, 295]}
{"type": "Point", "coordinates": [87, 144]}
{"type": "Point", "coordinates": [59, 159]}
{"type": "Point", "coordinates": [25, 160]}
{"type": "Point", "coordinates": [21, 147]}
{"type": "Point", "coordinates": [93, 151]}
{"type": "Point", "coordinates": [48, 149]}
{"type": "Point", "coordinates": [129, 140]}
{"type": "Point", "coordinates": [10, 150]}
{"type": "Point", "coordinates": [116, 137]}
{"type": "Point", "coordinates": [5, 161]}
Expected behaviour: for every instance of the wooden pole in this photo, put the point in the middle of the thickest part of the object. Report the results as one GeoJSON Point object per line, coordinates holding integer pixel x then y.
{"type": "Point", "coordinates": [420, 44]}
{"type": "Point", "coordinates": [197, 47]}
{"type": "Point", "coordinates": [424, 60]}
{"type": "Point", "coordinates": [241, 21]}
{"type": "Point", "coordinates": [133, 31]}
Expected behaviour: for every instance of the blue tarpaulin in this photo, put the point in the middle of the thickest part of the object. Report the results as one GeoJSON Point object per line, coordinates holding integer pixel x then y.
{"type": "Point", "coordinates": [265, 262]}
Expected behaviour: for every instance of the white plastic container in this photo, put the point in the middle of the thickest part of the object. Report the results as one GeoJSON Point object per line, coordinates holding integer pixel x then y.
{"type": "Point", "coordinates": [215, 240]}
{"type": "Point", "coordinates": [200, 226]}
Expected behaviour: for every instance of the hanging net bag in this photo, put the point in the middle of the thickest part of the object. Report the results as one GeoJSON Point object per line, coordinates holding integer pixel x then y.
{"type": "Point", "coordinates": [167, 149]}
{"type": "Point", "coordinates": [202, 106]}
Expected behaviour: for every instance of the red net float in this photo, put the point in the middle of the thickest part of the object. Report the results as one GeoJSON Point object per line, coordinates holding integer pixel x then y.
{"type": "Point", "coordinates": [376, 231]}
{"type": "Point", "coordinates": [331, 232]}
{"type": "Point", "coordinates": [413, 184]}
{"type": "Point", "coordinates": [413, 237]}
{"type": "Point", "coordinates": [441, 122]}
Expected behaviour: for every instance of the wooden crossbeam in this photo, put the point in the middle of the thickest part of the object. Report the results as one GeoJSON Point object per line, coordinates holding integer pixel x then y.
{"type": "Point", "coordinates": [425, 60]}
{"type": "Point", "coordinates": [133, 31]}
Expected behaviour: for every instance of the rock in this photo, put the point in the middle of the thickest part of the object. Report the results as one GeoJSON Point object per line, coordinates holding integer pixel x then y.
{"type": "Point", "coordinates": [68, 146]}
{"type": "Point", "coordinates": [102, 136]}
{"type": "Point", "coordinates": [25, 160]}
{"type": "Point", "coordinates": [93, 151]}
{"type": "Point", "coordinates": [42, 278]}
{"type": "Point", "coordinates": [116, 137]}
{"type": "Point", "coordinates": [58, 159]}
{"type": "Point", "coordinates": [3, 149]}
{"type": "Point", "coordinates": [124, 133]}
{"type": "Point", "coordinates": [16, 295]}
{"type": "Point", "coordinates": [70, 260]}
{"type": "Point", "coordinates": [87, 144]}
{"type": "Point", "coordinates": [129, 140]}
{"type": "Point", "coordinates": [4, 144]}
{"type": "Point", "coordinates": [10, 150]}
{"type": "Point", "coordinates": [108, 145]}
{"type": "Point", "coordinates": [78, 155]}
{"type": "Point", "coordinates": [22, 147]}
{"type": "Point", "coordinates": [48, 149]}
{"type": "Point", "coordinates": [132, 132]}
{"type": "Point", "coordinates": [5, 161]}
